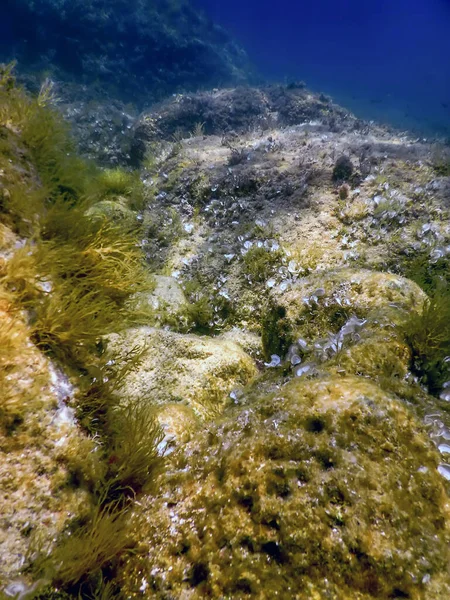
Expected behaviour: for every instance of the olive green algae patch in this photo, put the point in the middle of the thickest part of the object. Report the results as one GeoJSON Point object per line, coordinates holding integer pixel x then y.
{"type": "Point", "coordinates": [325, 489]}
{"type": "Point", "coordinates": [198, 371]}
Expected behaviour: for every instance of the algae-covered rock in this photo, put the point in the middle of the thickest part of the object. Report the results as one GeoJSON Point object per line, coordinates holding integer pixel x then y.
{"type": "Point", "coordinates": [115, 211]}
{"type": "Point", "coordinates": [199, 371]}
{"type": "Point", "coordinates": [37, 434]}
{"type": "Point", "coordinates": [178, 421]}
{"type": "Point", "coordinates": [323, 490]}
{"type": "Point", "coordinates": [250, 342]}
{"type": "Point", "coordinates": [321, 304]}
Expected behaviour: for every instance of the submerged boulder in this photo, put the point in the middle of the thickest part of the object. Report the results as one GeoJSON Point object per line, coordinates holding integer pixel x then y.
{"type": "Point", "coordinates": [168, 294]}
{"type": "Point", "coordinates": [324, 489]}
{"type": "Point", "coordinates": [337, 303]}
{"type": "Point", "coordinates": [38, 435]}
{"type": "Point", "coordinates": [198, 371]}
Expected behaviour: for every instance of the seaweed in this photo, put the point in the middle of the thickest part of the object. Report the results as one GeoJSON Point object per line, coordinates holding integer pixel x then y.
{"type": "Point", "coordinates": [66, 286]}
{"type": "Point", "coordinates": [134, 458]}
{"type": "Point", "coordinates": [428, 335]}
{"type": "Point", "coordinates": [86, 546]}
{"type": "Point", "coordinates": [261, 263]}
{"type": "Point", "coordinates": [111, 183]}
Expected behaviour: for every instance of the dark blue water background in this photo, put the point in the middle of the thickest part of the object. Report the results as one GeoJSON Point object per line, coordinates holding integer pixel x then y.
{"type": "Point", "coordinates": [386, 60]}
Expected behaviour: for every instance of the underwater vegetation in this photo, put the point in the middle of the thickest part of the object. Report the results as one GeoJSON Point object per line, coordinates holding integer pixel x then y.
{"type": "Point", "coordinates": [427, 331]}
{"type": "Point", "coordinates": [343, 169]}
{"type": "Point", "coordinates": [70, 275]}
{"type": "Point", "coordinates": [75, 272]}
{"type": "Point", "coordinates": [428, 334]}
{"type": "Point", "coordinates": [249, 419]}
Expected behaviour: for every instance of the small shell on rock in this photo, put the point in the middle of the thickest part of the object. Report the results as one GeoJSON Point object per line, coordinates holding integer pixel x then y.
{"type": "Point", "coordinates": [444, 448]}
{"type": "Point", "coordinates": [302, 343]}
{"type": "Point", "coordinates": [292, 266]}
{"type": "Point", "coordinates": [303, 370]}
{"type": "Point", "coordinates": [444, 470]}
{"type": "Point", "coordinates": [295, 360]}
{"type": "Point", "coordinates": [20, 590]}
{"type": "Point", "coordinates": [445, 395]}
{"type": "Point", "coordinates": [275, 361]}
{"type": "Point", "coordinates": [319, 293]}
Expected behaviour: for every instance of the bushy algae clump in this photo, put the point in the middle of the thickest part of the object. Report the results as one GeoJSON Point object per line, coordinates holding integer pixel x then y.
{"type": "Point", "coordinates": [67, 277]}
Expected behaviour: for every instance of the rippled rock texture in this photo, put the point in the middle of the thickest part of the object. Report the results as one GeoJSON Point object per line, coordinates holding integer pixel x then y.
{"type": "Point", "coordinates": [193, 370]}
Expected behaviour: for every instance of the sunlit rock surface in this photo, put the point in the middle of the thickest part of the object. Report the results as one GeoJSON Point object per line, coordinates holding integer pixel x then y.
{"type": "Point", "coordinates": [326, 488]}
{"type": "Point", "coordinates": [198, 371]}
{"type": "Point", "coordinates": [37, 436]}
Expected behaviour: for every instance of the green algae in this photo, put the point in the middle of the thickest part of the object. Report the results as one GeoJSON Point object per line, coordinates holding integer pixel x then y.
{"type": "Point", "coordinates": [428, 334]}
{"type": "Point", "coordinates": [276, 332]}
{"type": "Point", "coordinates": [72, 278]}
{"type": "Point", "coordinates": [86, 546]}
{"type": "Point", "coordinates": [260, 263]}
{"type": "Point", "coordinates": [76, 273]}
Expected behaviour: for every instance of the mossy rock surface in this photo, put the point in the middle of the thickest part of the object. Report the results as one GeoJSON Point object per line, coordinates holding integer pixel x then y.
{"type": "Point", "coordinates": [321, 304]}
{"type": "Point", "coordinates": [178, 421]}
{"type": "Point", "coordinates": [326, 489]}
{"type": "Point", "coordinates": [115, 211]}
{"type": "Point", "coordinates": [36, 440]}
{"type": "Point", "coordinates": [198, 371]}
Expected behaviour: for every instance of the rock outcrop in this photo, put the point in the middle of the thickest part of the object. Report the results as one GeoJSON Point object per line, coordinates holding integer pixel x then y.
{"type": "Point", "coordinates": [325, 488]}
{"type": "Point", "coordinates": [132, 51]}
{"type": "Point", "coordinates": [257, 418]}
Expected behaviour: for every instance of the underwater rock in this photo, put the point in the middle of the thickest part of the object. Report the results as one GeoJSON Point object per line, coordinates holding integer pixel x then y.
{"type": "Point", "coordinates": [135, 51]}
{"type": "Point", "coordinates": [301, 312]}
{"type": "Point", "coordinates": [323, 489]}
{"type": "Point", "coordinates": [441, 189]}
{"type": "Point", "coordinates": [250, 342]}
{"type": "Point", "coordinates": [35, 440]}
{"type": "Point", "coordinates": [234, 111]}
{"type": "Point", "coordinates": [178, 421]}
{"type": "Point", "coordinates": [116, 211]}
{"type": "Point", "coordinates": [167, 295]}
{"type": "Point", "coordinates": [197, 371]}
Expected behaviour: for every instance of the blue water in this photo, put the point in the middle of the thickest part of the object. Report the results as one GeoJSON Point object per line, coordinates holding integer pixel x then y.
{"type": "Point", "coordinates": [387, 60]}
